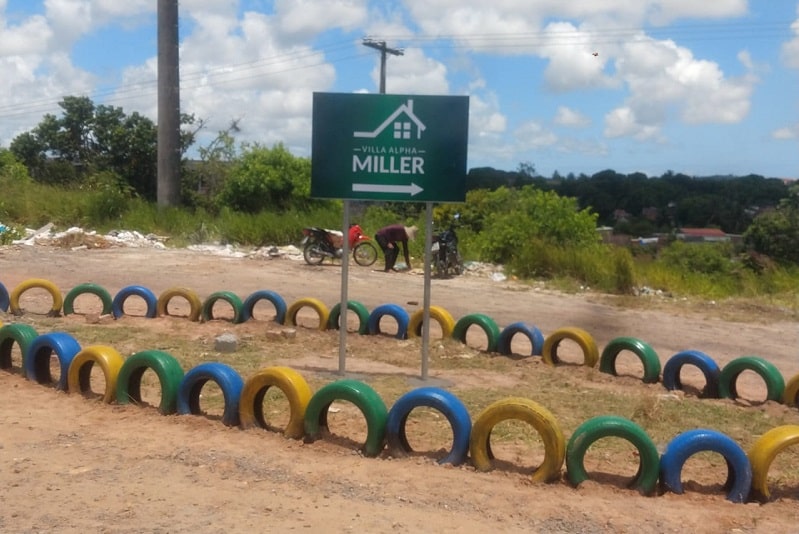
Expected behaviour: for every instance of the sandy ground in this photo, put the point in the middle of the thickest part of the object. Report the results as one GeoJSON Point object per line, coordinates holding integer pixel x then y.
{"type": "Point", "coordinates": [72, 465]}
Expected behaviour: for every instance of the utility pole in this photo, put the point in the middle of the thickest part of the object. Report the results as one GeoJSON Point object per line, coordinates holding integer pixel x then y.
{"type": "Point", "coordinates": [168, 105]}
{"type": "Point", "coordinates": [381, 46]}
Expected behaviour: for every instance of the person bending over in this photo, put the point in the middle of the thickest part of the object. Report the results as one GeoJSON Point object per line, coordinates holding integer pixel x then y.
{"type": "Point", "coordinates": [389, 238]}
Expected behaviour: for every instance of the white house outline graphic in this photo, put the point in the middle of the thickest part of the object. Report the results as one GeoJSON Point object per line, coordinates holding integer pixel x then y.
{"type": "Point", "coordinates": [402, 130]}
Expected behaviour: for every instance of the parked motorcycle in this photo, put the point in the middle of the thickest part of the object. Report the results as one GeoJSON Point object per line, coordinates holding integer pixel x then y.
{"type": "Point", "coordinates": [446, 257]}
{"type": "Point", "coordinates": [321, 243]}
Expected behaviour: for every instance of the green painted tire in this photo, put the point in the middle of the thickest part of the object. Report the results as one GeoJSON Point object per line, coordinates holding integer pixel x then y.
{"type": "Point", "coordinates": [227, 296]}
{"type": "Point", "coordinates": [485, 322]}
{"type": "Point", "coordinates": [361, 395]}
{"type": "Point", "coordinates": [21, 334]}
{"type": "Point", "coordinates": [360, 310]}
{"type": "Point", "coordinates": [170, 375]}
{"type": "Point", "coordinates": [728, 377]}
{"type": "Point", "coordinates": [645, 353]}
{"type": "Point", "coordinates": [524, 410]}
{"type": "Point", "coordinates": [603, 426]}
{"type": "Point", "coordinates": [94, 289]}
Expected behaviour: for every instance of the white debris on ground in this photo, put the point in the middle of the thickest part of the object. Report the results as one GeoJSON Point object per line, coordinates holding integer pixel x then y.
{"type": "Point", "coordinates": [79, 239]}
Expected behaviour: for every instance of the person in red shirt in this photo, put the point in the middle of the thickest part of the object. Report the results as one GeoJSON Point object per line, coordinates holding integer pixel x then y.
{"type": "Point", "coordinates": [389, 237]}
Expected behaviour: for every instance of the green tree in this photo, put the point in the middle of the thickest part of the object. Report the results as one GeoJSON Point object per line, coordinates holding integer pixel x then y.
{"type": "Point", "coordinates": [775, 233]}
{"type": "Point", "coordinates": [267, 178]}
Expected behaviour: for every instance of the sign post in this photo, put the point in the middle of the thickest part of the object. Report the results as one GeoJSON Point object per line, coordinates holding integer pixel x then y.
{"type": "Point", "coordinates": [398, 148]}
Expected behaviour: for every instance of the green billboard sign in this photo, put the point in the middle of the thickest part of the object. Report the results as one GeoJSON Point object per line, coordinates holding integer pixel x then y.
{"type": "Point", "coordinates": [389, 147]}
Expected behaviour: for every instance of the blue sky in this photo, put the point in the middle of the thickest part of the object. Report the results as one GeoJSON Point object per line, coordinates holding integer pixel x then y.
{"type": "Point", "coordinates": [575, 87]}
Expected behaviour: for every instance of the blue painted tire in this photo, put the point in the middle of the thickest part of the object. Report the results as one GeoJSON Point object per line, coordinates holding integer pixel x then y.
{"type": "Point", "coordinates": [37, 360]}
{"type": "Point", "coordinates": [165, 366]}
{"type": "Point", "coordinates": [645, 353]}
{"type": "Point", "coordinates": [706, 364]}
{"type": "Point", "coordinates": [226, 296]}
{"type": "Point", "coordinates": [228, 380]}
{"type": "Point", "coordinates": [392, 310]}
{"type": "Point", "coordinates": [775, 383]}
{"type": "Point", "coordinates": [21, 334]}
{"type": "Point", "coordinates": [150, 299]}
{"type": "Point", "coordinates": [439, 399]}
{"type": "Point", "coordinates": [685, 445]}
{"type": "Point", "coordinates": [4, 298]}
{"type": "Point", "coordinates": [530, 331]}
{"type": "Point", "coordinates": [360, 310]}
{"type": "Point", "coordinates": [264, 294]}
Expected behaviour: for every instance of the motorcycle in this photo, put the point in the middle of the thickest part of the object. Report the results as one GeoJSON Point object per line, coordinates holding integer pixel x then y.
{"type": "Point", "coordinates": [446, 257]}
{"type": "Point", "coordinates": [321, 243]}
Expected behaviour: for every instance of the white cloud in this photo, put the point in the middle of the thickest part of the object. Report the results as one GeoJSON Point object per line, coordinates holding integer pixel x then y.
{"type": "Point", "coordinates": [299, 20]}
{"type": "Point", "coordinates": [565, 116]}
{"type": "Point", "coordinates": [413, 73]}
{"type": "Point", "coordinates": [790, 50]}
{"type": "Point", "coordinates": [532, 134]}
{"type": "Point", "coordinates": [786, 133]}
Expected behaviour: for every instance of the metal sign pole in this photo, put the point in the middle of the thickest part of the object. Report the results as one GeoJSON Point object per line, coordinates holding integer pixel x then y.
{"type": "Point", "coordinates": [345, 269]}
{"type": "Point", "coordinates": [428, 243]}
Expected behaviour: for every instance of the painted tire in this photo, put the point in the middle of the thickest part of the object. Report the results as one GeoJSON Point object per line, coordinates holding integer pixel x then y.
{"type": "Point", "coordinates": [170, 375]}
{"type": "Point", "coordinates": [610, 425]}
{"type": "Point", "coordinates": [549, 353]}
{"type": "Point", "coordinates": [228, 380]}
{"type": "Point", "coordinates": [21, 334]}
{"type": "Point", "coordinates": [94, 289]}
{"type": "Point", "coordinates": [361, 395]}
{"type": "Point", "coordinates": [264, 294]}
{"type": "Point", "coordinates": [195, 306]}
{"type": "Point", "coordinates": [706, 364]}
{"type": "Point", "coordinates": [37, 360]}
{"type": "Point", "coordinates": [118, 304]}
{"type": "Point", "coordinates": [728, 377]}
{"type": "Point", "coordinates": [790, 396]}
{"type": "Point", "coordinates": [763, 452]}
{"type": "Point", "coordinates": [79, 373]}
{"type": "Point", "coordinates": [685, 445]}
{"type": "Point", "coordinates": [647, 355]}
{"type": "Point", "coordinates": [439, 399]}
{"type": "Point", "coordinates": [229, 297]}
{"type": "Point", "coordinates": [523, 410]}
{"type": "Point", "coordinates": [293, 386]}
{"type": "Point", "coordinates": [4, 298]}
{"type": "Point", "coordinates": [483, 321]}
{"type": "Point", "coordinates": [442, 316]}
{"type": "Point", "coordinates": [41, 283]}
{"type": "Point", "coordinates": [392, 310]}
{"type": "Point", "coordinates": [533, 334]}
{"type": "Point", "coordinates": [360, 310]}
{"type": "Point", "coordinates": [316, 304]}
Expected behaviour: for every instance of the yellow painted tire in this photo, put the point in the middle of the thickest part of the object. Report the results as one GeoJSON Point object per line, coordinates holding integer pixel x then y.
{"type": "Point", "coordinates": [293, 386]}
{"type": "Point", "coordinates": [530, 412]}
{"type": "Point", "coordinates": [763, 452]}
{"type": "Point", "coordinates": [586, 342]}
{"type": "Point", "coordinates": [444, 318]}
{"type": "Point", "coordinates": [316, 304]}
{"type": "Point", "coordinates": [80, 369]}
{"type": "Point", "coordinates": [790, 397]}
{"type": "Point", "coordinates": [16, 293]}
{"type": "Point", "coordinates": [195, 304]}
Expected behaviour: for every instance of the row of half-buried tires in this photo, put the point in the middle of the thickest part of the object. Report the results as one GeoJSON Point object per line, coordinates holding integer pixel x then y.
{"type": "Point", "coordinates": [718, 382]}
{"type": "Point", "coordinates": [386, 429]}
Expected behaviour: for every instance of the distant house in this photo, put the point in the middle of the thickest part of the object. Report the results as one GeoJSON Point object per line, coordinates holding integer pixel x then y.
{"type": "Point", "coordinates": [702, 235]}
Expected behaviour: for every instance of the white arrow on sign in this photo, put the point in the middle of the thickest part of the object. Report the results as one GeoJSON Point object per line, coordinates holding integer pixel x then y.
{"type": "Point", "coordinates": [411, 189]}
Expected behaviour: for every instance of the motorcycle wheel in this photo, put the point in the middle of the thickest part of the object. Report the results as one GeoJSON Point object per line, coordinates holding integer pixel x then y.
{"type": "Point", "coordinates": [312, 254]}
{"type": "Point", "coordinates": [365, 253]}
